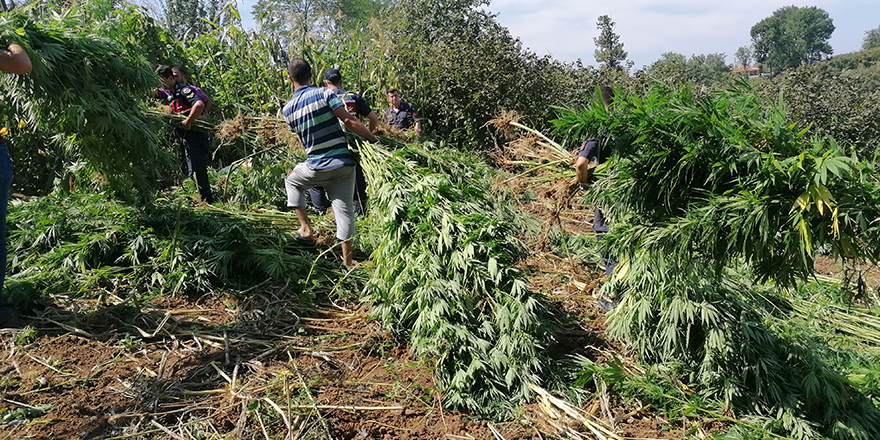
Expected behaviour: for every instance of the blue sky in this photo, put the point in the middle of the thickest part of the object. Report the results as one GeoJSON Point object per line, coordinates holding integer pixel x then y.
{"type": "Point", "coordinates": [565, 29]}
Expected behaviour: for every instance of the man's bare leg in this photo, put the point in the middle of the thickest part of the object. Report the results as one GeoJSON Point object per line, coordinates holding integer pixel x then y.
{"type": "Point", "coordinates": [347, 258]}
{"type": "Point", "coordinates": [305, 226]}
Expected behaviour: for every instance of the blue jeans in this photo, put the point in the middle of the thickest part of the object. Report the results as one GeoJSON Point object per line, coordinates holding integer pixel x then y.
{"type": "Point", "coordinates": [5, 184]}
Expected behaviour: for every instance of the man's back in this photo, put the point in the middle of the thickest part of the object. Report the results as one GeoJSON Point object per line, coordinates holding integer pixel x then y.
{"type": "Point", "coordinates": [309, 114]}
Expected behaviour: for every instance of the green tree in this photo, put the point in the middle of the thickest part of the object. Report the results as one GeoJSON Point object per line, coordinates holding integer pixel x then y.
{"type": "Point", "coordinates": [461, 68]}
{"type": "Point", "coordinates": [792, 36]}
{"type": "Point", "coordinates": [674, 67]}
{"type": "Point", "coordinates": [872, 39]}
{"type": "Point", "coordinates": [284, 19]}
{"type": "Point", "coordinates": [186, 19]}
{"type": "Point", "coordinates": [609, 50]}
{"type": "Point", "coordinates": [320, 19]}
{"type": "Point", "coordinates": [743, 56]}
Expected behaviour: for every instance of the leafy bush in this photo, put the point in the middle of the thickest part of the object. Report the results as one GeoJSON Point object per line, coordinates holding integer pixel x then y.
{"type": "Point", "coordinates": [83, 101]}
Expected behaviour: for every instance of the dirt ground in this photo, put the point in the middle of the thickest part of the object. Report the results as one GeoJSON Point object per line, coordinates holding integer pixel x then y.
{"type": "Point", "coordinates": [200, 369]}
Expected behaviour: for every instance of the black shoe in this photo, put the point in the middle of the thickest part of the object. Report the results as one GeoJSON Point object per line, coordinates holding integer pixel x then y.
{"type": "Point", "coordinates": [608, 304]}
{"type": "Point", "coordinates": [8, 314]}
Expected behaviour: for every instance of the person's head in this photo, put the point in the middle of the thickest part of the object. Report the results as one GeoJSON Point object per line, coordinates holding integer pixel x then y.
{"type": "Point", "coordinates": [167, 75]}
{"type": "Point", "coordinates": [179, 74]}
{"type": "Point", "coordinates": [607, 95]}
{"type": "Point", "coordinates": [333, 77]}
{"type": "Point", "coordinates": [300, 71]}
{"type": "Point", "coordinates": [394, 97]}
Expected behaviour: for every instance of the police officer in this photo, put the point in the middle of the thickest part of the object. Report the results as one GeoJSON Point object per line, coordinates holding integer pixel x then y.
{"type": "Point", "coordinates": [185, 101]}
{"type": "Point", "coordinates": [356, 106]}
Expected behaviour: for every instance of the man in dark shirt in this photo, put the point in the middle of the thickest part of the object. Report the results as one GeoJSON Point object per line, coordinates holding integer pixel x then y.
{"type": "Point", "coordinates": [180, 76]}
{"type": "Point", "coordinates": [355, 106]}
{"type": "Point", "coordinates": [13, 59]}
{"type": "Point", "coordinates": [185, 101]}
{"type": "Point", "coordinates": [402, 115]}
{"type": "Point", "coordinates": [593, 152]}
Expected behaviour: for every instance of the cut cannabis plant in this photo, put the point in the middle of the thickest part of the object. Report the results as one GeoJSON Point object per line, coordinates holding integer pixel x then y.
{"type": "Point", "coordinates": [445, 278]}
{"type": "Point", "coordinates": [87, 243]}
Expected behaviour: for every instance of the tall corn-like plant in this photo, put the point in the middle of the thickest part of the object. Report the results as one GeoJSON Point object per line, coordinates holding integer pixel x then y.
{"type": "Point", "coordinates": [703, 186]}
{"type": "Point", "coordinates": [444, 278]}
{"type": "Point", "coordinates": [86, 92]}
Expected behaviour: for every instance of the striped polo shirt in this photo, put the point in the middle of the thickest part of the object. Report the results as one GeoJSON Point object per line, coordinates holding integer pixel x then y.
{"type": "Point", "coordinates": [309, 114]}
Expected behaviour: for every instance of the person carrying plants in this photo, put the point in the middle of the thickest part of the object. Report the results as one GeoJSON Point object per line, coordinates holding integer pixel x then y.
{"type": "Point", "coordinates": [314, 113]}
{"type": "Point", "coordinates": [402, 115]}
{"type": "Point", "coordinates": [355, 105]}
{"type": "Point", "coordinates": [185, 101]}
{"type": "Point", "coordinates": [180, 75]}
{"type": "Point", "coordinates": [13, 59]}
{"type": "Point", "coordinates": [592, 153]}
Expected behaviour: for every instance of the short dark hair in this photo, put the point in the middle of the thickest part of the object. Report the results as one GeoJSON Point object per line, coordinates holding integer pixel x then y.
{"type": "Point", "coordinates": [164, 71]}
{"type": "Point", "coordinates": [392, 90]}
{"type": "Point", "coordinates": [300, 70]}
{"type": "Point", "coordinates": [181, 69]}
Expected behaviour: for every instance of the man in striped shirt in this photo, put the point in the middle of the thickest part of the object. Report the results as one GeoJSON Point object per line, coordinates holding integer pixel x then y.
{"type": "Point", "coordinates": [314, 114]}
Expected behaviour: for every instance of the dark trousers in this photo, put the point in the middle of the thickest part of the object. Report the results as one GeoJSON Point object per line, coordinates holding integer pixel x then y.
{"type": "Point", "coordinates": [197, 148]}
{"type": "Point", "coordinates": [600, 227]}
{"type": "Point", "coordinates": [5, 184]}
{"type": "Point", "coordinates": [321, 203]}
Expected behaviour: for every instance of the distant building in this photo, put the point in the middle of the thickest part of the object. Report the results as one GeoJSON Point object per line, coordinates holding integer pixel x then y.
{"type": "Point", "coordinates": [752, 70]}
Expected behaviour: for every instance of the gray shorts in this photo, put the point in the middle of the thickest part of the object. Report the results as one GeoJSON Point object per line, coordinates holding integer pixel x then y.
{"type": "Point", "coordinates": [339, 184]}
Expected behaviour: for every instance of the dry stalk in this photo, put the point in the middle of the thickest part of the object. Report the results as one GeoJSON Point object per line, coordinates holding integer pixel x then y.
{"type": "Point", "coordinates": [309, 394]}
{"type": "Point", "coordinates": [166, 430]}
{"type": "Point", "coordinates": [595, 428]}
{"type": "Point", "coordinates": [280, 412]}
{"type": "Point", "coordinates": [495, 432]}
{"type": "Point", "coordinates": [262, 426]}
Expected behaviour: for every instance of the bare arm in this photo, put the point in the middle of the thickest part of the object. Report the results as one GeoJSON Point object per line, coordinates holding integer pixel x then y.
{"type": "Point", "coordinates": [418, 127]}
{"type": "Point", "coordinates": [582, 168]}
{"type": "Point", "coordinates": [354, 125]}
{"type": "Point", "coordinates": [14, 59]}
{"type": "Point", "coordinates": [194, 113]}
{"type": "Point", "coordinates": [374, 121]}
{"type": "Point", "coordinates": [209, 104]}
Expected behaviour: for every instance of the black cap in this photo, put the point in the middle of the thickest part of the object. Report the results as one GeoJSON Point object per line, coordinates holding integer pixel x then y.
{"type": "Point", "coordinates": [333, 75]}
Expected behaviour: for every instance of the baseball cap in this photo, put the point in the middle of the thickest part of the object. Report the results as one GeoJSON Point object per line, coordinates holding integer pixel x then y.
{"type": "Point", "coordinates": [333, 75]}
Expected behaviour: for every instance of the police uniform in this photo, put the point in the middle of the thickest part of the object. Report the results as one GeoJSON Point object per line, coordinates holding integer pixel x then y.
{"type": "Point", "coordinates": [354, 105]}
{"type": "Point", "coordinates": [196, 145]}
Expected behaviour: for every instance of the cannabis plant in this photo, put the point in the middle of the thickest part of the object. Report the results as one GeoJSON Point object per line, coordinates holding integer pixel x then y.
{"type": "Point", "coordinates": [85, 98]}
{"type": "Point", "coordinates": [445, 279]}
{"type": "Point", "coordinates": [709, 195]}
